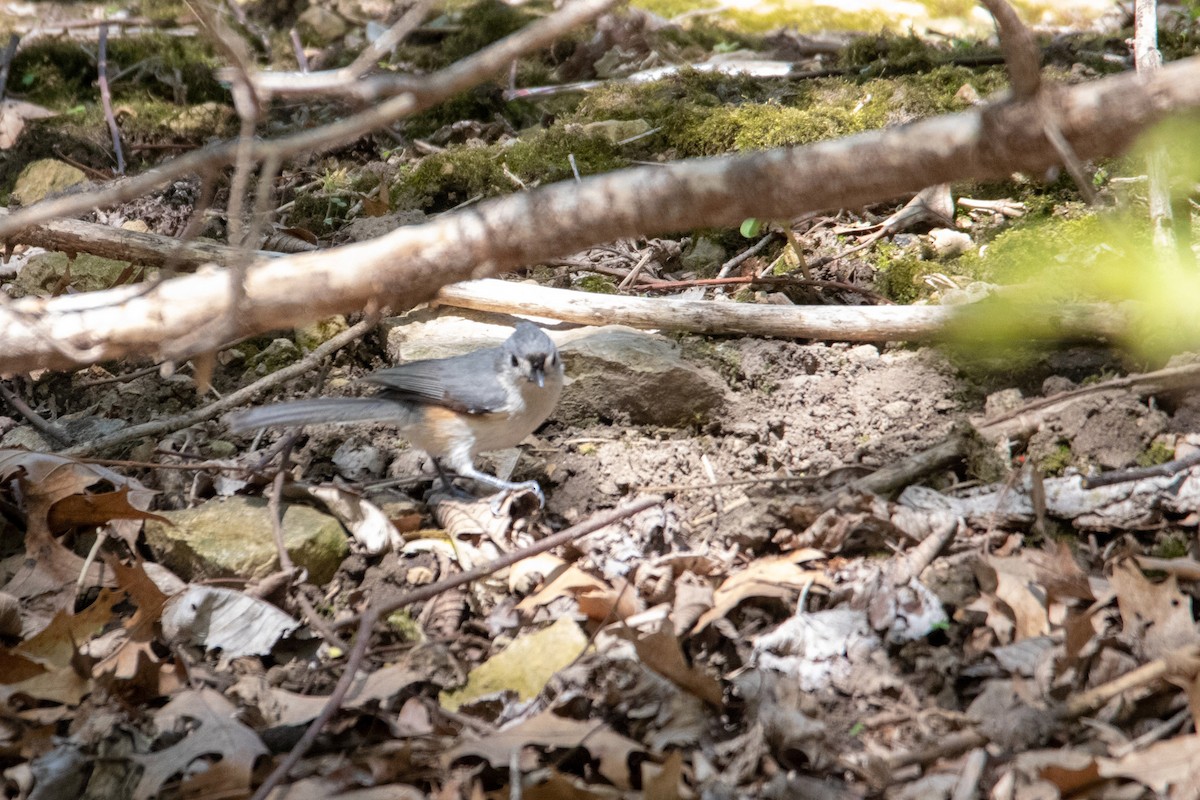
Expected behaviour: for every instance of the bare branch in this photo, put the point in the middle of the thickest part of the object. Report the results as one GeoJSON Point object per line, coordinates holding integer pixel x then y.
{"type": "Point", "coordinates": [423, 93]}
{"type": "Point", "coordinates": [409, 265]}
{"type": "Point", "coordinates": [106, 99]}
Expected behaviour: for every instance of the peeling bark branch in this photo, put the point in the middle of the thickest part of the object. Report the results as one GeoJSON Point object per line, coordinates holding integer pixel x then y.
{"type": "Point", "coordinates": [72, 236]}
{"type": "Point", "coordinates": [409, 265]}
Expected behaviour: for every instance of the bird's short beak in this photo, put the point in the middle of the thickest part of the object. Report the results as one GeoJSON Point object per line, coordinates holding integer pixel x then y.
{"type": "Point", "coordinates": [539, 377]}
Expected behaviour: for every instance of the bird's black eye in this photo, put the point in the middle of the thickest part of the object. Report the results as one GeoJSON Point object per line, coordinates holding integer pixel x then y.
{"type": "Point", "coordinates": [514, 360]}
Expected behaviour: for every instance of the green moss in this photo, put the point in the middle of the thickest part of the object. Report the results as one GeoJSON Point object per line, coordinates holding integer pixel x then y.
{"type": "Point", "coordinates": [1171, 544]}
{"type": "Point", "coordinates": [1056, 251]}
{"type": "Point", "coordinates": [760, 127]}
{"type": "Point", "coordinates": [898, 273]}
{"type": "Point", "coordinates": [597, 284]}
{"type": "Point", "coordinates": [60, 74]}
{"type": "Point", "coordinates": [175, 68]}
{"type": "Point", "coordinates": [702, 114]}
{"type": "Point", "coordinates": [544, 157]}
{"type": "Point", "coordinates": [405, 627]}
{"type": "Point", "coordinates": [447, 179]}
{"type": "Point", "coordinates": [895, 54]}
{"type": "Point", "coordinates": [1157, 453]}
{"type": "Point", "coordinates": [54, 73]}
{"type": "Point", "coordinates": [935, 91]}
{"type": "Point", "coordinates": [482, 23]}
{"type": "Point", "coordinates": [483, 103]}
{"type": "Point", "coordinates": [1056, 461]}
{"type": "Point", "coordinates": [470, 28]}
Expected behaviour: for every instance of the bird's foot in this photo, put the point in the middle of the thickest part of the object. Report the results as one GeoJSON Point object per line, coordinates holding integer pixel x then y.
{"type": "Point", "coordinates": [497, 502]}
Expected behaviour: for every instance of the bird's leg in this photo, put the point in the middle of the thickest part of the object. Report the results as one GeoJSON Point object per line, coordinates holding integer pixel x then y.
{"type": "Point", "coordinates": [448, 482]}
{"type": "Point", "coordinates": [469, 471]}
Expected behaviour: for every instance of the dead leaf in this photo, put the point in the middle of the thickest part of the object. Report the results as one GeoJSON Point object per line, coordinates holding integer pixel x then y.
{"type": "Point", "coordinates": [218, 618]}
{"type": "Point", "coordinates": [524, 666]}
{"type": "Point", "coordinates": [553, 732]}
{"type": "Point", "coordinates": [660, 651]}
{"type": "Point", "coordinates": [1157, 617]}
{"type": "Point", "coordinates": [81, 510]}
{"type": "Point", "coordinates": [365, 520]}
{"type": "Point", "coordinates": [597, 599]}
{"type": "Point", "coordinates": [1014, 582]}
{"type": "Point", "coordinates": [13, 116]}
{"type": "Point", "coordinates": [779, 577]}
{"type": "Point", "coordinates": [1170, 765]}
{"type": "Point", "coordinates": [212, 729]}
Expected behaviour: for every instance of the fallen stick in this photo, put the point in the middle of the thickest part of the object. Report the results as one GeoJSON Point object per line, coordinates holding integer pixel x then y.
{"type": "Point", "coordinates": [409, 265]}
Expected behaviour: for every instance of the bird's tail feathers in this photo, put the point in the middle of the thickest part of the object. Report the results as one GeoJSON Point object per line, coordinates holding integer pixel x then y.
{"type": "Point", "coordinates": [318, 411]}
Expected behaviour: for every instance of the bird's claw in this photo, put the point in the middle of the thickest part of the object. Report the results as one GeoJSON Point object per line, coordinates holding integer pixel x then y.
{"type": "Point", "coordinates": [527, 486]}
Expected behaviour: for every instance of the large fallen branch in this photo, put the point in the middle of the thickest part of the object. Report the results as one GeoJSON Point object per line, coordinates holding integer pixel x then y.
{"type": "Point", "coordinates": [411, 264]}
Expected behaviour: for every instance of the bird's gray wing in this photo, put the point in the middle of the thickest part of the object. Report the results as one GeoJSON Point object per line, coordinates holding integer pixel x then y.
{"type": "Point", "coordinates": [465, 383]}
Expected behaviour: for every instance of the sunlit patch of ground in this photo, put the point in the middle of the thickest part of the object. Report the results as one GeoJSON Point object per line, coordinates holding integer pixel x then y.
{"type": "Point", "coordinates": [946, 17]}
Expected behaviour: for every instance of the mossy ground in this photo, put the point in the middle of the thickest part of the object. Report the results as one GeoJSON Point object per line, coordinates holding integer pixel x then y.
{"type": "Point", "coordinates": [172, 98]}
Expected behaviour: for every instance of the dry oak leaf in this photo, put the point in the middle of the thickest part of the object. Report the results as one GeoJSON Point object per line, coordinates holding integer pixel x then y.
{"type": "Point", "coordinates": [134, 663]}
{"type": "Point", "coordinates": [1014, 581]}
{"type": "Point", "coordinates": [779, 577]}
{"type": "Point", "coordinates": [212, 730]}
{"type": "Point", "coordinates": [45, 581]}
{"type": "Point", "coordinates": [596, 598]}
{"type": "Point", "coordinates": [1170, 768]}
{"type": "Point", "coordinates": [1156, 617]}
{"type": "Point", "coordinates": [660, 651]}
{"type": "Point", "coordinates": [48, 666]}
{"type": "Point", "coordinates": [548, 730]}
{"type": "Point", "coordinates": [80, 510]}
{"type": "Point", "coordinates": [1173, 765]}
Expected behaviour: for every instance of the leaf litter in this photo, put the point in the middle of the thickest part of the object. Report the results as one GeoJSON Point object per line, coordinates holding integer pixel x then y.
{"type": "Point", "coordinates": [761, 643]}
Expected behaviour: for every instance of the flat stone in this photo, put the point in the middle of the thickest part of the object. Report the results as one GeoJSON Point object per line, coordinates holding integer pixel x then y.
{"type": "Point", "coordinates": [233, 538]}
{"type": "Point", "coordinates": [45, 177]}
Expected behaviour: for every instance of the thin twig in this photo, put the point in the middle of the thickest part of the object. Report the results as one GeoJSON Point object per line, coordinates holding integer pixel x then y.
{"type": "Point", "coordinates": [298, 48]}
{"type": "Point", "coordinates": [274, 507]}
{"type": "Point", "coordinates": [408, 22]}
{"type": "Point", "coordinates": [733, 263]}
{"type": "Point", "coordinates": [106, 99]}
{"type": "Point", "coordinates": [9, 52]}
{"type": "Point", "coordinates": [1116, 476]}
{"type": "Point", "coordinates": [47, 429]}
{"type": "Point", "coordinates": [651, 285]}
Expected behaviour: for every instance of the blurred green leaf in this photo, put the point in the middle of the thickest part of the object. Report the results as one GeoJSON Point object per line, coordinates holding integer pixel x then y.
{"type": "Point", "coordinates": [751, 227]}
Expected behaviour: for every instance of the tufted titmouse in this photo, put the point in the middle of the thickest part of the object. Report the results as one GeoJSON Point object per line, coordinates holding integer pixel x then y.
{"type": "Point", "coordinates": [452, 408]}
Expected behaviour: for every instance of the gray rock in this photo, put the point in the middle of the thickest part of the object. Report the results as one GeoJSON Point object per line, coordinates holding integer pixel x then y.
{"type": "Point", "coordinates": [621, 373]}
{"type": "Point", "coordinates": [322, 24]}
{"type": "Point", "coordinates": [356, 460]}
{"type": "Point", "coordinates": [234, 538]}
{"type": "Point", "coordinates": [277, 355]}
{"type": "Point", "coordinates": [78, 429]}
{"type": "Point", "coordinates": [1002, 402]}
